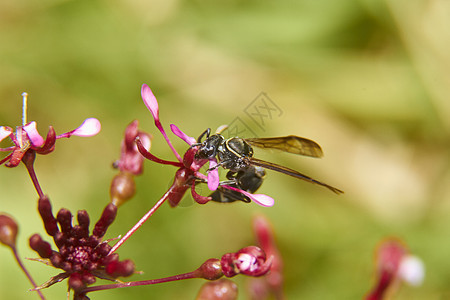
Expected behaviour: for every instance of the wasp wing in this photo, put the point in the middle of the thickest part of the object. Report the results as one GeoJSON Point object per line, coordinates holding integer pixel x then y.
{"type": "Point", "coordinates": [291, 144]}
{"type": "Point", "coordinates": [290, 172]}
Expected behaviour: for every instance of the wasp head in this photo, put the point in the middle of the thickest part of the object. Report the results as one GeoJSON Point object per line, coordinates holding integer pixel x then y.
{"type": "Point", "coordinates": [208, 148]}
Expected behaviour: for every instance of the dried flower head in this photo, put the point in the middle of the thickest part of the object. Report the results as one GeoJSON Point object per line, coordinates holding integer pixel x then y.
{"type": "Point", "coordinates": [82, 256]}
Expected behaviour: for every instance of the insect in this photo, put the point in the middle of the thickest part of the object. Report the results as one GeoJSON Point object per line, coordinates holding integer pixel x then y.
{"type": "Point", "coordinates": [248, 179]}
{"type": "Point", "coordinates": [236, 155]}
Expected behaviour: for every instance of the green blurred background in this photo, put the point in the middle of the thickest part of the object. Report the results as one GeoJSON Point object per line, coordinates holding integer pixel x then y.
{"type": "Point", "coordinates": [368, 80]}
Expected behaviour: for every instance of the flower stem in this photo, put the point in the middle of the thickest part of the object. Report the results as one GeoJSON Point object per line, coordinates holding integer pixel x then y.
{"type": "Point", "coordinates": [140, 222]}
{"type": "Point", "coordinates": [161, 129]}
{"type": "Point", "coordinates": [28, 160]}
{"type": "Point", "coordinates": [189, 275]}
{"type": "Point", "coordinates": [22, 266]}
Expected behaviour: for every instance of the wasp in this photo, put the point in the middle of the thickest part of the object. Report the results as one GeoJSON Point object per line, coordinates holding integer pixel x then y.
{"type": "Point", "coordinates": [236, 155]}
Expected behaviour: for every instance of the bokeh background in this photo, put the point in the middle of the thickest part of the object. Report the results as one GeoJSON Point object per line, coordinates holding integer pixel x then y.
{"type": "Point", "coordinates": [367, 79]}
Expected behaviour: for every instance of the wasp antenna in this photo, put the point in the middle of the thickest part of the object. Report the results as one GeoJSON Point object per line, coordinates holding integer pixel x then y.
{"type": "Point", "coordinates": [221, 129]}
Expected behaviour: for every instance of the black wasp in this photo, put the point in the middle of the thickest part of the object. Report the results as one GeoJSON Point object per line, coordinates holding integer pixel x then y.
{"type": "Point", "coordinates": [246, 173]}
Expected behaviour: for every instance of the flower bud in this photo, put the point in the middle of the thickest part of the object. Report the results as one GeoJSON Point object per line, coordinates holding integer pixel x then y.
{"type": "Point", "coordinates": [120, 268]}
{"type": "Point", "coordinates": [45, 210]}
{"type": "Point", "coordinates": [108, 216]}
{"type": "Point", "coordinates": [223, 289]}
{"type": "Point", "coordinates": [64, 218]}
{"type": "Point", "coordinates": [210, 270]}
{"type": "Point", "coordinates": [76, 282]}
{"type": "Point", "coordinates": [8, 231]}
{"type": "Point", "coordinates": [40, 246]}
{"type": "Point", "coordinates": [122, 188]}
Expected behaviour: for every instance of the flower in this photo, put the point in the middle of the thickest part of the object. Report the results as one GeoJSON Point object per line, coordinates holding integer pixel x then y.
{"type": "Point", "coordinates": [27, 142]}
{"type": "Point", "coordinates": [273, 281]}
{"type": "Point", "coordinates": [26, 138]}
{"type": "Point", "coordinates": [131, 161]}
{"type": "Point", "coordinates": [82, 257]}
{"type": "Point", "coordinates": [188, 174]}
{"type": "Point", "coordinates": [394, 264]}
{"type": "Point", "coordinates": [130, 164]}
{"type": "Point", "coordinates": [249, 261]}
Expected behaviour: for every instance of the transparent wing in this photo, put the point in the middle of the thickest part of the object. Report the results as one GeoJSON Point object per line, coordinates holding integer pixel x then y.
{"type": "Point", "coordinates": [291, 144]}
{"type": "Point", "coordinates": [290, 172]}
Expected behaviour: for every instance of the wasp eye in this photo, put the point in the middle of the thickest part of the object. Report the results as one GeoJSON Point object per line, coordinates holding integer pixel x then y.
{"type": "Point", "coordinates": [208, 152]}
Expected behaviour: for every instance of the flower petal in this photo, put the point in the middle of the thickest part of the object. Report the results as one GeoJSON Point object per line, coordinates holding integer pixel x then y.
{"type": "Point", "coordinates": [90, 127]}
{"type": "Point", "coordinates": [4, 132]}
{"type": "Point", "coordinates": [35, 138]}
{"type": "Point", "coordinates": [260, 199]}
{"type": "Point", "coordinates": [412, 270]}
{"type": "Point", "coordinates": [213, 175]}
{"type": "Point", "coordinates": [150, 101]}
{"type": "Point", "coordinates": [152, 105]}
{"type": "Point", "coordinates": [199, 198]}
{"type": "Point", "coordinates": [188, 139]}
{"type": "Point", "coordinates": [146, 139]}
{"type": "Point", "coordinates": [151, 157]}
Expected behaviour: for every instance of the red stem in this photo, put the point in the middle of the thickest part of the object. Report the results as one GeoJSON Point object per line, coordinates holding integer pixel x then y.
{"type": "Point", "coordinates": [189, 275]}
{"type": "Point", "coordinates": [22, 266]}
{"type": "Point", "coordinates": [28, 160]}
{"type": "Point", "coordinates": [139, 223]}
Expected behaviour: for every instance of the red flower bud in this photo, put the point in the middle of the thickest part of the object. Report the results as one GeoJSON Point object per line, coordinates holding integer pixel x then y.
{"type": "Point", "coordinates": [120, 268]}
{"type": "Point", "coordinates": [122, 188]}
{"type": "Point", "coordinates": [223, 289]}
{"type": "Point", "coordinates": [210, 270]}
{"type": "Point", "coordinates": [40, 246]}
{"type": "Point", "coordinates": [45, 210]}
{"type": "Point", "coordinates": [8, 231]}
{"type": "Point", "coordinates": [108, 216]}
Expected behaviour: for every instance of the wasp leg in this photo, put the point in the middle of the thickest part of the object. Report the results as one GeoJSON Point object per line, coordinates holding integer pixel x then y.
{"type": "Point", "coordinates": [231, 175]}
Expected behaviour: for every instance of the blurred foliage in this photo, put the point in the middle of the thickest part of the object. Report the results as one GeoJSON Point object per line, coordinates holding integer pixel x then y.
{"type": "Point", "coordinates": [368, 80]}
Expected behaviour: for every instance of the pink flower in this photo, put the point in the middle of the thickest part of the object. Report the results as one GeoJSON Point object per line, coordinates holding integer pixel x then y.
{"type": "Point", "coordinates": [249, 261]}
{"type": "Point", "coordinates": [131, 161]}
{"type": "Point", "coordinates": [272, 283]}
{"type": "Point", "coordinates": [394, 264]}
{"type": "Point", "coordinates": [188, 174]}
{"type": "Point", "coordinates": [26, 138]}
